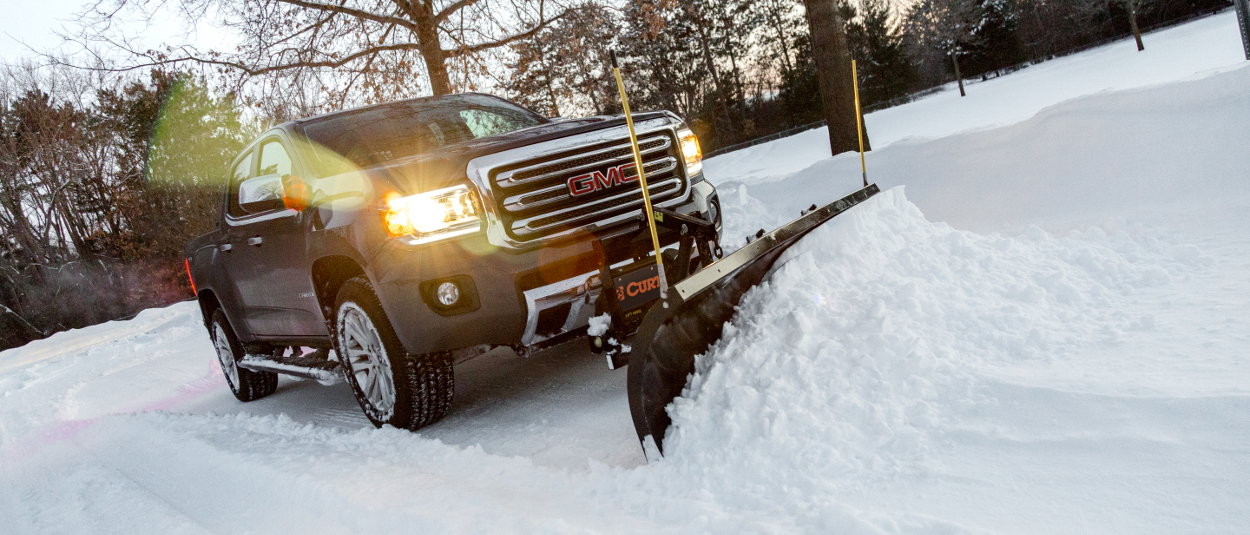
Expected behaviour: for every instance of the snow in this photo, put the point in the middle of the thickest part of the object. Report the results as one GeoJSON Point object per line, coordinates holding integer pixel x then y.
{"type": "Point", "coordinates": [1039, 326]}
{"type": "Point", "coordinates": [599, 325]}
{"type": "Point", "coordinates": [1192, 50]}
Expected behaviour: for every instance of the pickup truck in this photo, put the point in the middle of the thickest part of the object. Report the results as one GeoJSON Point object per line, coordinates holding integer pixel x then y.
{"type": "Point", "coordinates": [379, 245]}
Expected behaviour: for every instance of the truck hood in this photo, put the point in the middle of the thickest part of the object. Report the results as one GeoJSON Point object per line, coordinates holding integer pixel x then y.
{"type": "Point", "coordinates": [446, 166]}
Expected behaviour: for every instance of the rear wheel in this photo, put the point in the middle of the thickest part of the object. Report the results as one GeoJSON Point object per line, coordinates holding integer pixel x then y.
{"type": "Point", "coordinates": [246, 385]}
{"type": "Point", "coordinates": [392, 387]}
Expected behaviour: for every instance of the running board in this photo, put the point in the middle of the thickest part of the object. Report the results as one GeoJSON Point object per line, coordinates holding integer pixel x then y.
{"type": "Point", "coordinates": [322, 370]}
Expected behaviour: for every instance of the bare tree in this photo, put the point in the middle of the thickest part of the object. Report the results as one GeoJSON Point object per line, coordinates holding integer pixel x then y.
{"type": "Point", "coordinates": [779, 19]}
{"type": "Point", "coordinates": [950, 26]}
{"type": "Point", "coordinates": [370, 49]}
{"type": "Point", "coordinates": [101, 184]}
{"type": "Point", "coordinates": [562, 69]}
{"type": "Point", "coordinates": [1134, 8]}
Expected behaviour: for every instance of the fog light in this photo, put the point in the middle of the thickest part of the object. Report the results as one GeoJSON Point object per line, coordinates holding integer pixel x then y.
{"type": "Point", "coordinates": [448, 293]}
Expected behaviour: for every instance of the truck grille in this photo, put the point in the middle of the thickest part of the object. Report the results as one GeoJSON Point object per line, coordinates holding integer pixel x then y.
{"type": "Point", "coordinates": [533, 198]}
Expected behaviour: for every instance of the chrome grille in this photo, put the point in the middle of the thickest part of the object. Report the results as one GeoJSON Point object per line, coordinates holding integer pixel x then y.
{"type": "Point", "coordinates": [533, 198]}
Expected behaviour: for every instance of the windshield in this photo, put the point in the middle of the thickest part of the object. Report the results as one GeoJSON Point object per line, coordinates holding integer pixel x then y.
{"type": "Point", "coordinates": [380, 134]}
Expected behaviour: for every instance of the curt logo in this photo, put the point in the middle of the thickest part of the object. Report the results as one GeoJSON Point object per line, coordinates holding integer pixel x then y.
{"type": "Point", "coordinates": [635, 289]}
{"type": "Point", "coordinates": [596, 181]}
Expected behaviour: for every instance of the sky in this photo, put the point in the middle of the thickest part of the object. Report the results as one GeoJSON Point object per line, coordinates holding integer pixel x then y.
{"type": "Point", "coordinates": [32, 24]}
{"type": "Point", "coordinates": [28, 27]}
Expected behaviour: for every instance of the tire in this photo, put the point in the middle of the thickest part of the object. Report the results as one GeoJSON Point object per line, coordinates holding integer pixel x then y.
{"type": "Point", "coordinates": [392, 387]}
{"type": "Point", "coordinates": [246, 385]}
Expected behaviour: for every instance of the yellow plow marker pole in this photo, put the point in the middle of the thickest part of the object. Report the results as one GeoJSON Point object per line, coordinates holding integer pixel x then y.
{"type": "Point", "coordinates": [859, 123]}
{"type": "Point", "coordinates": [642, 179]}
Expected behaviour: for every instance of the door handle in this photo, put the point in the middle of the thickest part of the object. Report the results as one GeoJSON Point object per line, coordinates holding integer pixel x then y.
{"type": "Point", "coordinates": [255, 241]}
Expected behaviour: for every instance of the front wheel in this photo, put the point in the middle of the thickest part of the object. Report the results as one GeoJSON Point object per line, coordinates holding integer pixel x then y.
{"type": "Point", "coordinates": [392, 387]}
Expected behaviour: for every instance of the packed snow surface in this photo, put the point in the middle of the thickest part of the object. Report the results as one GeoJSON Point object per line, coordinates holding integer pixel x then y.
{"type": "Point", "coordinates": [1040, 327]}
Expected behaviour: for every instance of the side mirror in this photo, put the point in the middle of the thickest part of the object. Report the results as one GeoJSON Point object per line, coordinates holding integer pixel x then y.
{"type": "Point", "coordinates": [295, 193]}
{"type": "Point", "coordinates": [260, 194]}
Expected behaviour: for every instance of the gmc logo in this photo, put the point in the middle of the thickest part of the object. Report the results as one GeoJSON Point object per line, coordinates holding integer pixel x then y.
{"type": "Point", "coordinates": [596, 181]}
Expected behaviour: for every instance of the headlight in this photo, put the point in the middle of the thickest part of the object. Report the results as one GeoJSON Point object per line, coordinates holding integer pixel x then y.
{"type": "Point", "coordinates": [433, 215]}
{"type": "Point", "coordinates": [691, 151]}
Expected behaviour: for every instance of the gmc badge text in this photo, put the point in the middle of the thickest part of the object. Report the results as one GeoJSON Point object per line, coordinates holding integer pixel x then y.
{"type": "Point", "coordinates": [378, 245]}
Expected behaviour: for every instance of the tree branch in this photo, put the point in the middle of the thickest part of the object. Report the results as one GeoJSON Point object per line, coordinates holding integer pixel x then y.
{"type": "Point", "coordinates": [257, 71]}
{"type": "Point", "coordinates": [451, 9]}
{"type": "Point", "coordinates": [23, 320]}
{"type": "Point", "coordinates": [463, 50]}
{"type": "Point", "coordinates": [358, 13]}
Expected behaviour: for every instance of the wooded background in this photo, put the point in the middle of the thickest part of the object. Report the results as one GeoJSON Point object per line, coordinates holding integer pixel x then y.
{"type": "Point", "coordinates": [107, 168]}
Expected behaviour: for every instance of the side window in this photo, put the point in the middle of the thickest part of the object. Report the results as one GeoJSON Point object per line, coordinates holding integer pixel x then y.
{"type": "Point", "coordinates": [241, 172]}
{"type": "Point", "coordinates": [252, 192]}
{"type": "Point", "coordinates": [274, 159]}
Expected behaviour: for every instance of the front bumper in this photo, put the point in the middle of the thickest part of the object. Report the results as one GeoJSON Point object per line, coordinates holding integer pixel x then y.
{"type": "Point", "coordinates": [524, 297]}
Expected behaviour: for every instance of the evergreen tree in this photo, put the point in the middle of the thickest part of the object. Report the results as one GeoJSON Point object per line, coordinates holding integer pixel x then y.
{"type": "Point", "coordinates": [950, 28]}
{"type": "Point", "coordinates": [996, 44]}
{"type": "Point", "coordinates": [885, 70]}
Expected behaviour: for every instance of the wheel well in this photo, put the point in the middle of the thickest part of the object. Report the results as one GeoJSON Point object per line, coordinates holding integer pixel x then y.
{"type": "Point", "coordinates": [328, 274]}
{"type": "Point", "coordinates": [208, 303]}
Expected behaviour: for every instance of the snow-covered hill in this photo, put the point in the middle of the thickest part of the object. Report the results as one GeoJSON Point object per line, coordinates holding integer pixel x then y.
{"type": "Point", "coordinates": [1041, 326]}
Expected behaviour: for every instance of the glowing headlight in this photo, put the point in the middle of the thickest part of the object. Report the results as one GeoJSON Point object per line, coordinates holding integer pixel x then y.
{"type": "Point", "coordinates": [691, 151]}
{"type": "Point", "coordinates": [436, 214]}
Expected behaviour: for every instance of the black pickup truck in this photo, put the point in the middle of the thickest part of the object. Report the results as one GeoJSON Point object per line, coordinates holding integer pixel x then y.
{"type": "Point", "coordinates": [381, 244]}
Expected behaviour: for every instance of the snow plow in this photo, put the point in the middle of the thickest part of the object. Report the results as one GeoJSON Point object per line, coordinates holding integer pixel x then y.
{"type": "Point", "coordinates": [660, 338]}
{"type": "Point", "coordinates": [690, 319]}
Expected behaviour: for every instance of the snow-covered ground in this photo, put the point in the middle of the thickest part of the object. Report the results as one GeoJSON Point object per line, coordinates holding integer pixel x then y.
{"type": "Point", "coordinates": [1172, 54]}
{"type": "Point", "coordinates": [1040, 326]}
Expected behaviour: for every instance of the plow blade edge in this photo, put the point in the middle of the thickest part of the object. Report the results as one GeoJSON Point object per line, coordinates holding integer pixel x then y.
{"type": "Point", "coordinates": [691, 319]}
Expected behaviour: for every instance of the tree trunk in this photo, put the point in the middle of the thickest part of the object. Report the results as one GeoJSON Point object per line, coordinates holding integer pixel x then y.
{"type": "Point", "coordinates": [440, 82]}
{"type": "Point", "coordinates": [958, 75]}
{"type": "Point", "coordinates": [1132, 21]}
{"type": "Point", "coordinates": [833, 65]}
{"type": "Point", "coordinates": [430, 47]}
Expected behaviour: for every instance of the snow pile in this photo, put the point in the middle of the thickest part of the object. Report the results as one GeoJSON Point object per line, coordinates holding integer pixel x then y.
{"type": "Point", "coordinates": [880, 313]}
{"type": "Point", "coordinates": [599, 325]}
{"type": "Point", "coordinates": [874, 340]}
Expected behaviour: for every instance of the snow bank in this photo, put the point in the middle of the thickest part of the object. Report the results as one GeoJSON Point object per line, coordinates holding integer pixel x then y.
{"type": "Point", "coordinates": [1188, 51]}
{"type": "Point", "coordinates": [848, 371]}
{"type": "Point", "coordinates": [1133, 155]}
{"type": "Point", "coordinates": [1178, 53]}
{"type": "Point", "coordinates": [880, 314]}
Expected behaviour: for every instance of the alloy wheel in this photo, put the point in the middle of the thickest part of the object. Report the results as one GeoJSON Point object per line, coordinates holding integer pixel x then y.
{"type": "Point", "coordinates": [366, 359]}
{"type": "Point", "coordinates": [225, 355]}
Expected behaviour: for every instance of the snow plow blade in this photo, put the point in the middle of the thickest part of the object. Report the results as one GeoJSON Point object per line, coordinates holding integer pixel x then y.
{"type": "Point", "coordinates": [691, 319]}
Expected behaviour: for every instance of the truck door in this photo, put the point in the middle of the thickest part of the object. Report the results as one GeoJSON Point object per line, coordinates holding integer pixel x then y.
{"type": "Point", "coordinates": [283, 258]}
{"type": "Point", "coordinates": [267, 258]}
{"type": "Point", "coordinates": [249, 293]}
